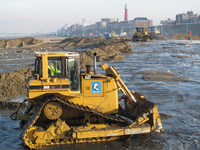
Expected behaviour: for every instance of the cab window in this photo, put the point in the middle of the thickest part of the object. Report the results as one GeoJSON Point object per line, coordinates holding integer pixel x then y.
{"type": "Point", "coordinates": [38, 66]}
{"type": "Point", "coordinates": [73, 73]}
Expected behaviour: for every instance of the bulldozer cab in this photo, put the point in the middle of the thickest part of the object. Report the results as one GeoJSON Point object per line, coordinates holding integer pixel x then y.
{"type": "Point", "coordinates": [139, 29]}
{"type": "Point", "coordinates": [57, 65]}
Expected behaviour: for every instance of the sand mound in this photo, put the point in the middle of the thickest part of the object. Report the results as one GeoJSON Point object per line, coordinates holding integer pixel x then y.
{"type": "Point", "coordinates": [156, 75]}
{"type": "Point", "coordinates": [13, 83]}
{"type": "Point", "coordinates": [164, 116]}
{"type": "Point", "coordinates": [195, 37]}
{"type": "Point", "coordinates": [159, 37]}
{"type": "Point", "coordinates": [106, 51]}
{"type": "Point", "coordinates": [180, 56]}
{"type": "Point", "coordinates": [176, 36]}
{"type": "Point", "coordinates": [19, 43]}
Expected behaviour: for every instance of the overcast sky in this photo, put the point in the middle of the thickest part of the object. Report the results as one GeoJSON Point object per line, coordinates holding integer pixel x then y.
{"type": "Point", "coordinates": [32, 16]}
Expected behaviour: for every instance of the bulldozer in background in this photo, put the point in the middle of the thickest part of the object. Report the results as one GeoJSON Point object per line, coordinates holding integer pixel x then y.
{"type": "Point", "coordinates": [153, 30]}
{"type": "Point", "coordinates": [68, 105]}
{"type": "Point", "coordinates": [141, 34]}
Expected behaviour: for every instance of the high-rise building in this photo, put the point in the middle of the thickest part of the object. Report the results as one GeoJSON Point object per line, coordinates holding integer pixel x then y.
{"type": "Point", "coordinates": [126, 13]}
{"type": "Point", "coordinates": [83, 21]}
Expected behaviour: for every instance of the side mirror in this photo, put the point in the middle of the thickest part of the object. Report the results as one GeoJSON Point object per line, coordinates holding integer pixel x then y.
{"type": "Point", "coordinates": [37, 76]}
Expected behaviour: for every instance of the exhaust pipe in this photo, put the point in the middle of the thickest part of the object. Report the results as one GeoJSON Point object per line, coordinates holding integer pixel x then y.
{"type": "Point", "coordinates": [95, 64]}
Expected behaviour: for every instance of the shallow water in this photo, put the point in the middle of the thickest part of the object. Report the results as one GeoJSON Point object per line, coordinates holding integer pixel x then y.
{"type": "Point", "coordinates": [12, 59]}
{"type": "Point", "coordinates": [178, 99]}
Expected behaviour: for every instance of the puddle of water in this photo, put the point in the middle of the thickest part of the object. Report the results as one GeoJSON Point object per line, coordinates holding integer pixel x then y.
{"type": "Point", "coordinates": [19, 98]}
{"type": "Point", "coordinates": [17, 59]}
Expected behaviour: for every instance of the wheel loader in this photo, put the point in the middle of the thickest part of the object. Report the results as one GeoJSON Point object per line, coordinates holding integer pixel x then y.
{"type": "Point", "coordinates": [67, 105]}
{"type": "Point", "coordinates": [141, 34]}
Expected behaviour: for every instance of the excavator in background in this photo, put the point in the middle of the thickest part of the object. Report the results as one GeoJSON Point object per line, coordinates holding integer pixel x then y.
{"type": "Point", "coordinates": [113, 34]}
{"type": "Point", "coordinates": [141, 34]}
{"type": "Point", "coordinates": [67, 105]}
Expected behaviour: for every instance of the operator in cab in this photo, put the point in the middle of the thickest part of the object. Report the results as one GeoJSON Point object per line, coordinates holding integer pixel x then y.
{"type": "Point", "coordinates": [51, 68]}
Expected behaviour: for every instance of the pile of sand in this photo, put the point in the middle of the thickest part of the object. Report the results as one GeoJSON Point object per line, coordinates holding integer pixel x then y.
{"type": "Point", "coordinates": [106, 51]}
{"type": "Point", "coordinates": [20, 42]}
{"type": "Point", "coordinates": [195, 37]}
{"type": "Point", "coordinates": [159, 37]}
{"type": "Point", "coordinates": [176, 36]}
{"type": "Point", "coordinates": [13, 83]}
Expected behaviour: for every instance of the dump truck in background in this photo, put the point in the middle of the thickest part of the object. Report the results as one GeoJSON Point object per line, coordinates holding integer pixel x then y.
{"type": "Point", "coordinates": [141, 34]}
{"type": "Point", "coordinates": [67, 105]}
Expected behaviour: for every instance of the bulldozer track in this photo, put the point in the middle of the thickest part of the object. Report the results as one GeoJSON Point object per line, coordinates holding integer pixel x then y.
{"type": "Point", "coordinates": [38, 110]}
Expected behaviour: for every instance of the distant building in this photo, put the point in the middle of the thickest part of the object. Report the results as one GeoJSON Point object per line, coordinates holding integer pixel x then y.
{"type": "Point", "coordinates": [122, 24]}
{"type": "Point", "coordinates": [189, 17]}
{"type": "Point", "coordinates": [150, 22]}
{"type": "Point", "coordinates": [107, 20]}
{"type": "Point", "coordinates": [169, 21]}
{"type": "Point", "coordinates": [112, 24]}
{"type": "Point", "coordinates": [90, 27]}
{"type": "Point", "coordinates": [76, 27]}
{"type": "Point", "coordinates": [84, 22]}
{"type": "Point", "coordinates": [62, 31]}
{"type": "Point", "coordinates": [97, 25]}
{"type": "Point", "coordinates": [141, 22]}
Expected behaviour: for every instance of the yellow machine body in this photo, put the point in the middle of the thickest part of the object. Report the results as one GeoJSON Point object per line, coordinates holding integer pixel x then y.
{"type": "Point", "coordinates": [86, 95]}
{"type": "Point", "coordinates": [66, 105]}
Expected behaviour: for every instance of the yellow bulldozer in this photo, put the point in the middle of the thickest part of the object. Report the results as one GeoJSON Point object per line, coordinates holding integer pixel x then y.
{"type": "Point", "coordinates": [141, 34]}
{"type": "Point", "coordinates": [67, 105]}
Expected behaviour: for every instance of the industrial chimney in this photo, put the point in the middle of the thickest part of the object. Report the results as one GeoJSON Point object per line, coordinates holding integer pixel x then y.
{"type": "Point", "coordinates": [126, 13]}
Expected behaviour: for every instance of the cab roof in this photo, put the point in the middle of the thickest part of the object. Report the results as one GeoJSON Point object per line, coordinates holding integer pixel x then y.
{"type": "Point", "coordinates": [56, 54]}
